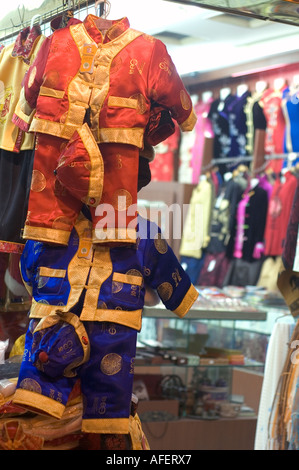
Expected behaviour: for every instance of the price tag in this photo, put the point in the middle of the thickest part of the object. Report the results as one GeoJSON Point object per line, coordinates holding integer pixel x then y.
{"type": "Point", "coordinates": [87, 60]}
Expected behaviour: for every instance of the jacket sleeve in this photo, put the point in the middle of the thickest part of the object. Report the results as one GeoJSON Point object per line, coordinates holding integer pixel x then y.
{"type": "Point", "coordinates": [32, 82]}
{"type": "Point", "coordinates": [29, 263]}
{"type": "Point", "coordinates": [164, 273]}
{"type": "Point", "coordinates": [167, 89]}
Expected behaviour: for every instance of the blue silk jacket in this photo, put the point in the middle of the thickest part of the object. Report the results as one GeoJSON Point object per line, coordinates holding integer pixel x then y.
{"type": "Point", "coordinates": [108, 283]}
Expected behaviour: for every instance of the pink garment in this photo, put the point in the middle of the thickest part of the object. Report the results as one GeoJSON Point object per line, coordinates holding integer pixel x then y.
{"type": "Point", "coordinates": [203, 128]}
{"type": "Point", "coordinates": [241, 214]}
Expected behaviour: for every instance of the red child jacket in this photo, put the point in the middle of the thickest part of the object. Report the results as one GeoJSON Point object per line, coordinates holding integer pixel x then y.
{"type": "Point", "coordinates": [117, 76]}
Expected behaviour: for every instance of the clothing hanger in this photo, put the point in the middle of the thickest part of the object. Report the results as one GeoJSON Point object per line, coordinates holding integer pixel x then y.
{"type": "Point", "coordinates": [34, 18]}
{"type": "Point", "coordinates": [102, 8]}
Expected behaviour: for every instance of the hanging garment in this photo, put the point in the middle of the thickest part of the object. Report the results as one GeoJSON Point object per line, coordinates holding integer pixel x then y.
{"type": "Point", "coordinates": [269, 273]}
{"type": "Point", "coordinates": [278, 214]}
{"type": "Point", "coordinates": [271, 101]}
{"type": "Point", "coordinates": [196, 232]}
{"type": "Point", "coordinates": [16, 146]}
{"type": "Point", "coordinates": [243, 273]}
{"type": "Point", "coordinates": [291, 114]}
{"type": "Point", "coordinates": [15, 180]}
{"type": "Point", "coordinates": [185, 156]}
{"type": "Point", "coordinates": [275, 359]}
{"type": "Point", "coordinates": [214, 270]}
{"type": "Point", "coordinates": [238, 126]}
{"type": "Point", "coordinates": [163, 165]}
{"type": "Point", "coordinates": [247, 235]}
{"type": "Point", "coordinates": [15, 61]}
{"type": "Point", "coordinates": [218, 116]}
{"type": "Point", "coordinates": [203, 128]}
{"type": "Point", "coordinates": [219, 226]}
{"type": "Point", "coordinates": [255, 119]}
{"type": "Point", "coordinates": [290, 254]}
{"type": "Point", "coordinates": [116, 76]}
{"type": "Point", "coordinates": [109, 303]}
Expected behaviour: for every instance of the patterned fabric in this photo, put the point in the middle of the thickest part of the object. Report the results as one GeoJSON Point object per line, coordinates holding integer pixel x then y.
{"type": "Point", "coordinates": [81, 71]}
{"type": "Point", "coordinates": [115, 277]}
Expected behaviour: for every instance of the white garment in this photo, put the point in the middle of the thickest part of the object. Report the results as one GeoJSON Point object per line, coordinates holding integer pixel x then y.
{"type": "Point", "coordinates": [275, 360]}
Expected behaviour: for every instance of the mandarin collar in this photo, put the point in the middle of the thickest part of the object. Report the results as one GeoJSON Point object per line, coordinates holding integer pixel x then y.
{"type": "Point", "coordinates": [25, 42]}
{"type": "Point", "coordinates": [117, 28]}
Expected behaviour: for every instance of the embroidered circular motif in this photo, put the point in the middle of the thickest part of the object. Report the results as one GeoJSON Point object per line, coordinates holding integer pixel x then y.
{"type": "Point", "coordinates": [38, 181]}
{"type": "Point", "coordinates": [141, 103]}
{"type": "Point", "coordinates": [32, 77]}
{"type": "Point", "coordinates": [160, 244]}
{"type": "Point", "coordinates": [32, 385]}
{"type": "Point", "coordinates": [111, 364]}
{"type": "Point", "coordinates": [116, 286]}
{"type": "Point", "coordinates": [135, 272]}
{"type": "Point", "coordinates": [165, 291]}
{"type": "Point", "coordinates": [121, 199]}
{"type": "Point", "coordinates": [146, 271]}
{"type": "Point", "coordinates": [184, 100]}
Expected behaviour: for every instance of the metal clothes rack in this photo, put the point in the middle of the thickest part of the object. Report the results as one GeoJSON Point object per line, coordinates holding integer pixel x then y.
{"type": "Point", "coordinates": [249, 158]}
{"type": "Point", "coordinates": [45, 18]}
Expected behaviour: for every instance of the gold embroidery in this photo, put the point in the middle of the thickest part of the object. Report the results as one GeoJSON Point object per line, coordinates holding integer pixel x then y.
{"type": "Point", "coordinates": [103, 426]}
{"type": "Point", "coordinates": [112, 235]}
{"type": "Point", "coordinates": [185, 100]}
{"type": "Point", "coordinates": [46, 234]}
{"type": "Point", "coordinates": [165, 291]}
{"type": "Point", "coordinates": [38, 181]}
{"type": "Point", "coordinates": [189, 123]}
{"type": "Point", "coordinates": [165, 66]}
{"type": "Point", "coordinates": [32, 76]}
{"type": "Point", "coordinates": [116, 287]}
{"type": "Point", "coordinates": [118, 101]}
{"type": "Point", "coordinates": [176, 277]}
{"type": "Point", "coordinates": [41, 402]}
{"type": "Point", "coordinates": [51, 79]}
{"type": "Point", "coordinates": [50, 272]}
{"type": "Point", "coordinates": [160, 244]}
{"type": "Point", "coordinates": [100, 271]}
{"type": "Point", "coordinates": [30, 384]}
{"type": "Point", "coordinates": [131, 277]}
{"type": "Point", "coordinates": [141, 103]}
{"type": "Point", "coordinates": [187, 302]}
{"type": "Point", "coordinates": [133, 136]}
{"type": "Point", "coordinates": [51, 92]}
{"type": "Point", "coordinates": [134, 65]}
{"type": "Point", "coordinates": [118, 161]}
{"type": "Point", "coordinates": [121, 199]}
{"type": "Point", "coordinates": [129, 318]}
{"type": "Point", "coordinates": [96, 177]}
{"type": "Point", "coordinates": [111, 364]}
